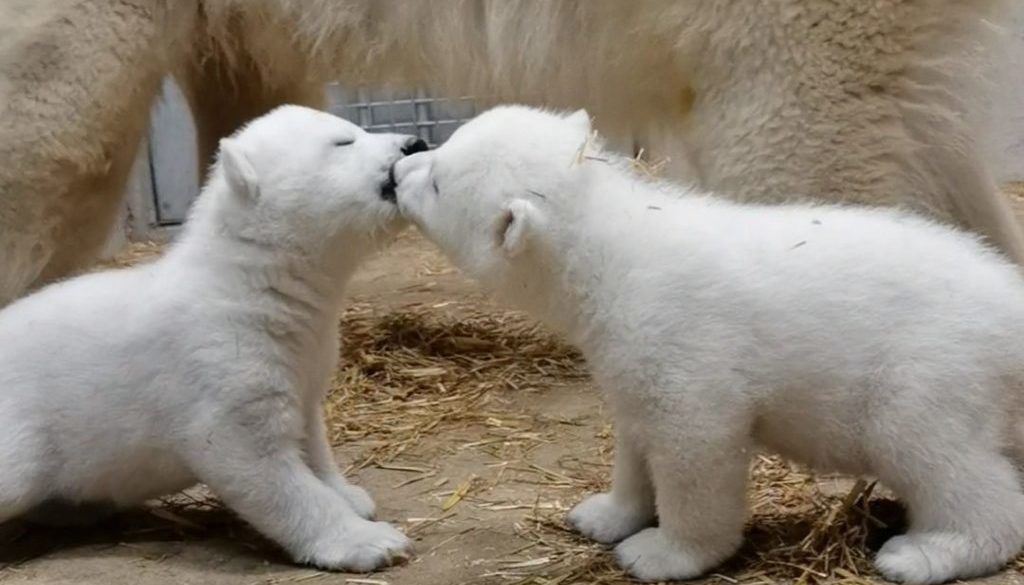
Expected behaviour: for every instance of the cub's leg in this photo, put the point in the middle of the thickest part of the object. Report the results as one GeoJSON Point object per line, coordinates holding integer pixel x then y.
{"type": "Point", "coordinates": [17, 495]}
{"type": "Point", "coordinates": [966, 522]}
{"type": "Point", "coordinates": [23, 476]}
{"type": "Point", "coordinates": [629, 506]}
{"type": "Point", "coordinates": [321, 461]}
{"type": "Point", "coordinates": [699, 464]}
{"type": "Point", "coordinates": [261, 475]}
{"type": "Point", "coordinates": [225, 91]}
{"type": "Point", "coordinates": [76, 83]}
{"type": "Point", "coordinates": [964, 495]}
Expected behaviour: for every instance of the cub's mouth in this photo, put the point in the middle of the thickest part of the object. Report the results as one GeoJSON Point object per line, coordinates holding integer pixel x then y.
{"type": "Point", "coordinates": [387, 189]}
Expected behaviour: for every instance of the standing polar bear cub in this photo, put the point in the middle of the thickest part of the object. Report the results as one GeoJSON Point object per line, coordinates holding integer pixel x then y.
{"type": "Point", "coordinates": [210, 364]}
{"type": "Point", "coordinates": [856, 340]}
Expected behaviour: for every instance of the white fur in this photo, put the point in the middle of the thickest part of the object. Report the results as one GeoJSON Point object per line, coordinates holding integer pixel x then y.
{"type": "Point", "coordinates": [211, 363]}
{"type": "Point", "coordinates": [865, 341]}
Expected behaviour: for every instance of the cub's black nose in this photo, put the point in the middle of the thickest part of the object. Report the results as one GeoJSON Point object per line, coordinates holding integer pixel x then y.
{"type": "Point", "coordinates": [415, 145]}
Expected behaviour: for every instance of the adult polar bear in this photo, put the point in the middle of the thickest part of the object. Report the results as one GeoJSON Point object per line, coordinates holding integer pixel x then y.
{"type": "Point", "coordinates": [759, 99]}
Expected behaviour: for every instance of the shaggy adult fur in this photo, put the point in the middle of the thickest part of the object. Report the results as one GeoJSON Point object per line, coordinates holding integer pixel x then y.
{"type": "Point", "coordinates": [760, 100]}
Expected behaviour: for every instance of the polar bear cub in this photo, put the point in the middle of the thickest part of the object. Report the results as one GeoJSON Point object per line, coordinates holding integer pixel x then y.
{"type": "Point", "coordinates": [210, 364]}
{"type": "Point", "coordinates": [856, 340]}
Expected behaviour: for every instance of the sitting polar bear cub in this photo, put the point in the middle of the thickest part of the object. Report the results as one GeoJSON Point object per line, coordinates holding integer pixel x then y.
{"type": "Point", "coordinates": [863, 341]}
{"type": "Point", "coordinates": [210, 364]}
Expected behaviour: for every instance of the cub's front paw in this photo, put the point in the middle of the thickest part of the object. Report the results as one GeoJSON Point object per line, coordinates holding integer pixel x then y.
{"type": "Point", "coordinates": [361, 546]}
{"type": "Point", "coordinates": [649, 556]}
{"type": "Point", "coordinates": [359, 499]}
{"type": "Point", "coordinates": [601, 518]}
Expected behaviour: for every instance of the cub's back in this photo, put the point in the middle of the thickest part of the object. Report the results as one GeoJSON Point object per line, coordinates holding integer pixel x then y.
{"type": "Point", "coordinates": [72, 337]}
{"type": "Point", "coordinates": [837, 275]}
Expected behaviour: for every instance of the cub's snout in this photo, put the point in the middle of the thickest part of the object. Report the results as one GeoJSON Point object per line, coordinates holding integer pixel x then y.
{"type": "Point", "coordinates": [412, 145]}
{"type": "Point", "coordinates": [415, 145]}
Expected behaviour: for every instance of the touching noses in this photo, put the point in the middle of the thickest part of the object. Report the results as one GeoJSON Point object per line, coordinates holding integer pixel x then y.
{"type": "Point", "coordinates": [414, 145]}
{"type": "Point", "coordinates": [406, 166]}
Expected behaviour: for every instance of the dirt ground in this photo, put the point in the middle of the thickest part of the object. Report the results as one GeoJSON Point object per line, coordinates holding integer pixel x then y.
{"type": "Point", "coordinates": [483, 497]}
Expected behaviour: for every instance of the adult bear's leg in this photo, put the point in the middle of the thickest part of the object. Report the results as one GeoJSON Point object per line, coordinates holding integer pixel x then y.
{"type": "Point", "coordinates": [226, 87]}
{"type": "Point", "coordinates": [76, 83]}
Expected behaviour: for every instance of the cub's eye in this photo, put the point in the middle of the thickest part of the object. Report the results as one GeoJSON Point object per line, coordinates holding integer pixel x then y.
{"type": "Point", "coordinates": [344, 142]}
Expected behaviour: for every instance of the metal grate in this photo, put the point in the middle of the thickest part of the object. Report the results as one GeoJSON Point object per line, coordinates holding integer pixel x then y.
{"type": "Point", "coordinates": [432, 119]}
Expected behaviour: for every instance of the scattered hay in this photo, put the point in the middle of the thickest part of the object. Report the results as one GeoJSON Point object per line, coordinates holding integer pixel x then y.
{"type": "Point", "coordinates": [797, 534]}
{"type": "Point", "coordinates": [407, 374]}
{"type": "Point", "coordinates": [134, 253]}
{"type": "Point", "coordinates": [590, 143]}
{"type": "Point", "coordinates": [1015, 191]}
{"type": "Point", "coordinates": [648, 168]}
{"type": "Point", "coordinates": [799, 531]}
{"type": "Point", "coordinates": [637, 164]}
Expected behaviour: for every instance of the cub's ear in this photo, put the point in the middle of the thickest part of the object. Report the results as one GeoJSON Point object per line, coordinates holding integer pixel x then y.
{"type": "Point", "coordinates": [238, 169]}
{"type": "Point", "coordinates": [517, 221]}
{"type": "Point", "coordinates": [581, 119]}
